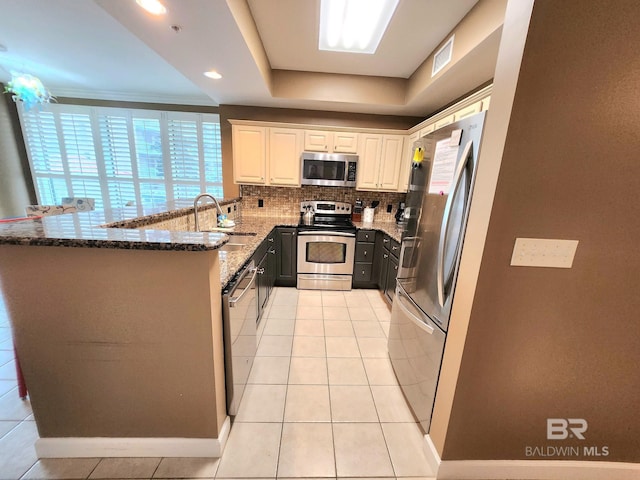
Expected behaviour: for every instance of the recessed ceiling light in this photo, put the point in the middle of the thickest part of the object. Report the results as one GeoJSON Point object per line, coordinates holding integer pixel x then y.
{"type": "Point", "coordinates": [213, 74]}
{"type": "Point", "coordinates": [354, 26]}
{"type": "Point", "coordinates": [152, 6]}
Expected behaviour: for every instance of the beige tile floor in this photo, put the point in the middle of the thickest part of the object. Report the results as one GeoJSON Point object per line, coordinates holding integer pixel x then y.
{"type": "Point", "coordinates": [322, 402]}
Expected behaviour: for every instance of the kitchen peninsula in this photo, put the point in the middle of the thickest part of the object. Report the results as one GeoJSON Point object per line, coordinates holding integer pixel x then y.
{"type": "Point", "coordinates": [117, 321]}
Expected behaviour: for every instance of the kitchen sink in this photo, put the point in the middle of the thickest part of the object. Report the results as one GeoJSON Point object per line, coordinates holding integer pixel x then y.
{"type": "Point", "coordinates": [231, 247]}
{"type": "Point", "coordinates": [237, 242]}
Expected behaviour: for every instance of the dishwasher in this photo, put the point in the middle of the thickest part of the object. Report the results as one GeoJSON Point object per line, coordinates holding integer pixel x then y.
{"type": "Point", "coordinates": [239, 313]}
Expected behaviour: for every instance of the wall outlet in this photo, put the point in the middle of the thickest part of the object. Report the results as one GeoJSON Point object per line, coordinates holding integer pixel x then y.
{"type": "Point", "coordinates": [542, 252]}
{"type": "Point", "coordinates": [260, 203]}
{"type": "Point", "coordinates": [389, 208]}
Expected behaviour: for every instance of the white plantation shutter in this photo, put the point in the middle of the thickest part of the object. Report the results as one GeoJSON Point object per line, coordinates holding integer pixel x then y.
{"type": "Point", "coordinates": [122, 157]}
{"type": "Point", "coordinates": [194, 154]}
{"type": "Point", "coordinates": [212, 157]}
{"type": "Point", "coordinates": [148, 147]}
{"type": "Point", "coordinates": [77, 143]}
{"type": "Point", "coordinates": [119, 166]}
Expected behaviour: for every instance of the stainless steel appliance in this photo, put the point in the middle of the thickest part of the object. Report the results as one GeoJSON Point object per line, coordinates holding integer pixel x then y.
{"type": "Point", "coordinates": [326, 249]}
{"type": "Point", "coordinates": [239, 313]}
{"type": "Point", "coordinates": [328, 169]}
{"type": "Point", "coordinates": [437, 207]}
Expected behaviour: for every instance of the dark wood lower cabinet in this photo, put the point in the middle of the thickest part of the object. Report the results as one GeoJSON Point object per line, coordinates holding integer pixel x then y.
{"type": "Point", "coordinates": [390, 283]}
{"type": "Point", "coordinates": [286, 256]}
{"type": "Point", "coordinates": [387, 270]}
{"type": "Point", "coordinates": [363, 276]}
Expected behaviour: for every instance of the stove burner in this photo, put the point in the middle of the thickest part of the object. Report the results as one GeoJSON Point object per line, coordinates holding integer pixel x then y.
{"type": "Point", "coordinates": [330, 216]}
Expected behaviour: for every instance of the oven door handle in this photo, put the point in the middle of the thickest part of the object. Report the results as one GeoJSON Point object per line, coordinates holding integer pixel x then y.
{"type": "Point", "coordinates": [333, 234]}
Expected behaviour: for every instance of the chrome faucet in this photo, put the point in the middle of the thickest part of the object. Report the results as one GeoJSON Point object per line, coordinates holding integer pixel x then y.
{"type": "Point", "coordinates": [195, 208]}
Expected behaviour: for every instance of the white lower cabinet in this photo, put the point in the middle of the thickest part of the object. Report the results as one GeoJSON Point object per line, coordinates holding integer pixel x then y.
{"type": "Point", "coordinates": [379, 162]}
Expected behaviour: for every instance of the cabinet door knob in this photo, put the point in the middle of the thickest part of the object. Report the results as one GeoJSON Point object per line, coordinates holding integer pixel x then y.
{"type": "Point", "coordinates": [385, 256]}
{"type": "Point", "coordinates": [271, 239]}
{"type": "Point", "coordinates": [365, 253]}
{"type": "Point", "coordinates": [362, 272]}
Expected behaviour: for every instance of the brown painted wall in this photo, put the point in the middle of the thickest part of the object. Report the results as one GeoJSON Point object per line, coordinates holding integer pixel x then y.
{"type": "Point", "coordinates": [542, 342]}
{"type": "Point", "coordinates": [287, 115]}
{"type": "Point", "coordinates": [16, 187]}
{"type": "Point", "coordinates": [116, 342]}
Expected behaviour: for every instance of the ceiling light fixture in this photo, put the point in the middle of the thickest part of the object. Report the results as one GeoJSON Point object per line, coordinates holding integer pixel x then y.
{"type": "Point", "coordinates": [213, 74]}
{"type": "Point", "coordinates": [354, 26]}
{"type": "Point", "coordinates": [152, 6]}
{"type": "Point", "coordinates": [27, 89]}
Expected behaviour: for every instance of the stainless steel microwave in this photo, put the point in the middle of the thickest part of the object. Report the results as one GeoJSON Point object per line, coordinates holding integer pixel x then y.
{"type": "Point", "coordinates": [328, 169]}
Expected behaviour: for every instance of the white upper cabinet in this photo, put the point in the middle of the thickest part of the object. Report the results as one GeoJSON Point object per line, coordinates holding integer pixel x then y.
{"type": "Point", "coordinates": [249, 154]}
{"type": "Point", "coordinates": [266, 156]}
{"type": "Point", "coordinates": [285, 146]}
{"type": "Point", "coordinates": [485, 103]}
{"type": "Point", "coordinates": [379, 162]}
{"type": "Point", "coordinates": [331, 142]}
{"type": "Point", "coordinates": [345, 142]}
{"type": "Point", "coordinates": [444, 121]}
{"type": "Point", "coordinates": [426, 130]}
{"type": "Point", "coordinates": [369, 155]}
{"type": "Point", "coordinates": [468, 111]}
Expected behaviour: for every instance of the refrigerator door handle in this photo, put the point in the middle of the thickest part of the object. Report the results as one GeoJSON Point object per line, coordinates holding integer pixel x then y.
{"type": "Point", "coordinates": [447, 218]}
{"type": "Point", "coordinates": [401, 298]}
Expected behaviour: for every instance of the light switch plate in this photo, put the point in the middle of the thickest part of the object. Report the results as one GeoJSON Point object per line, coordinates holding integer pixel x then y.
{"type": "Point", "coordinates": [544, 252]}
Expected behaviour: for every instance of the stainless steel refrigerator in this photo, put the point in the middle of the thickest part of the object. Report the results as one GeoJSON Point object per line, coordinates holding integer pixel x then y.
{"type": "Point", "coordinates": [437, 207]}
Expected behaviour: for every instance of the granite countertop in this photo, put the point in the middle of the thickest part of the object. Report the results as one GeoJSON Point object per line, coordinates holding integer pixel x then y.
{"type": "Point", "coordinates": [232, 261]}
{"type": "Point", "coordinates": [122, 229]}
{"type": "Point", "coordinates": [95, 229]}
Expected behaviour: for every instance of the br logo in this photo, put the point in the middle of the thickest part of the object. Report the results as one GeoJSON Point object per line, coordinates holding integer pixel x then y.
{"type": "Point", "coordinates": [563, 428]}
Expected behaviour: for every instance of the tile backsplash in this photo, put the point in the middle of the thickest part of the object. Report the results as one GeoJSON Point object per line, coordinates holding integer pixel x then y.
{"type": "Point", "coordinates": [286, 201]}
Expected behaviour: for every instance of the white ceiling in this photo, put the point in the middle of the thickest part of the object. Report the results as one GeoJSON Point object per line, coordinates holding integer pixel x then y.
{"type": "Point", "coordinates": [111, 49]}
{"type": "Point", "coordinates": [415, 30]}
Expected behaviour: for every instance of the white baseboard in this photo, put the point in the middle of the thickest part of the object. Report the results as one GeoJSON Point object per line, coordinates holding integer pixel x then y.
{"type": "Point", "coordinates": [433, 458]}
{"type": "Point", "coordinates": [536, 470]}
{"type": "Point", "coordinates": [76, 447]}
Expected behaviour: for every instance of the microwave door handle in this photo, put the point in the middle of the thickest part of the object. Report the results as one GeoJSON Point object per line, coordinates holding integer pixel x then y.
{"type": "Point", "coordinates": [447, 218]}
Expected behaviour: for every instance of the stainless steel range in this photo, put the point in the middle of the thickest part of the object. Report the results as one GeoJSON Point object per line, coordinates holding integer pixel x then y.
{"type": "Point", "coordinates": [326, 248]}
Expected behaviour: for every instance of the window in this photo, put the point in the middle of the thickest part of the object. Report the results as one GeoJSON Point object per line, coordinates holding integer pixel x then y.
{"type": "Point", "coordinates": [122, 157]}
